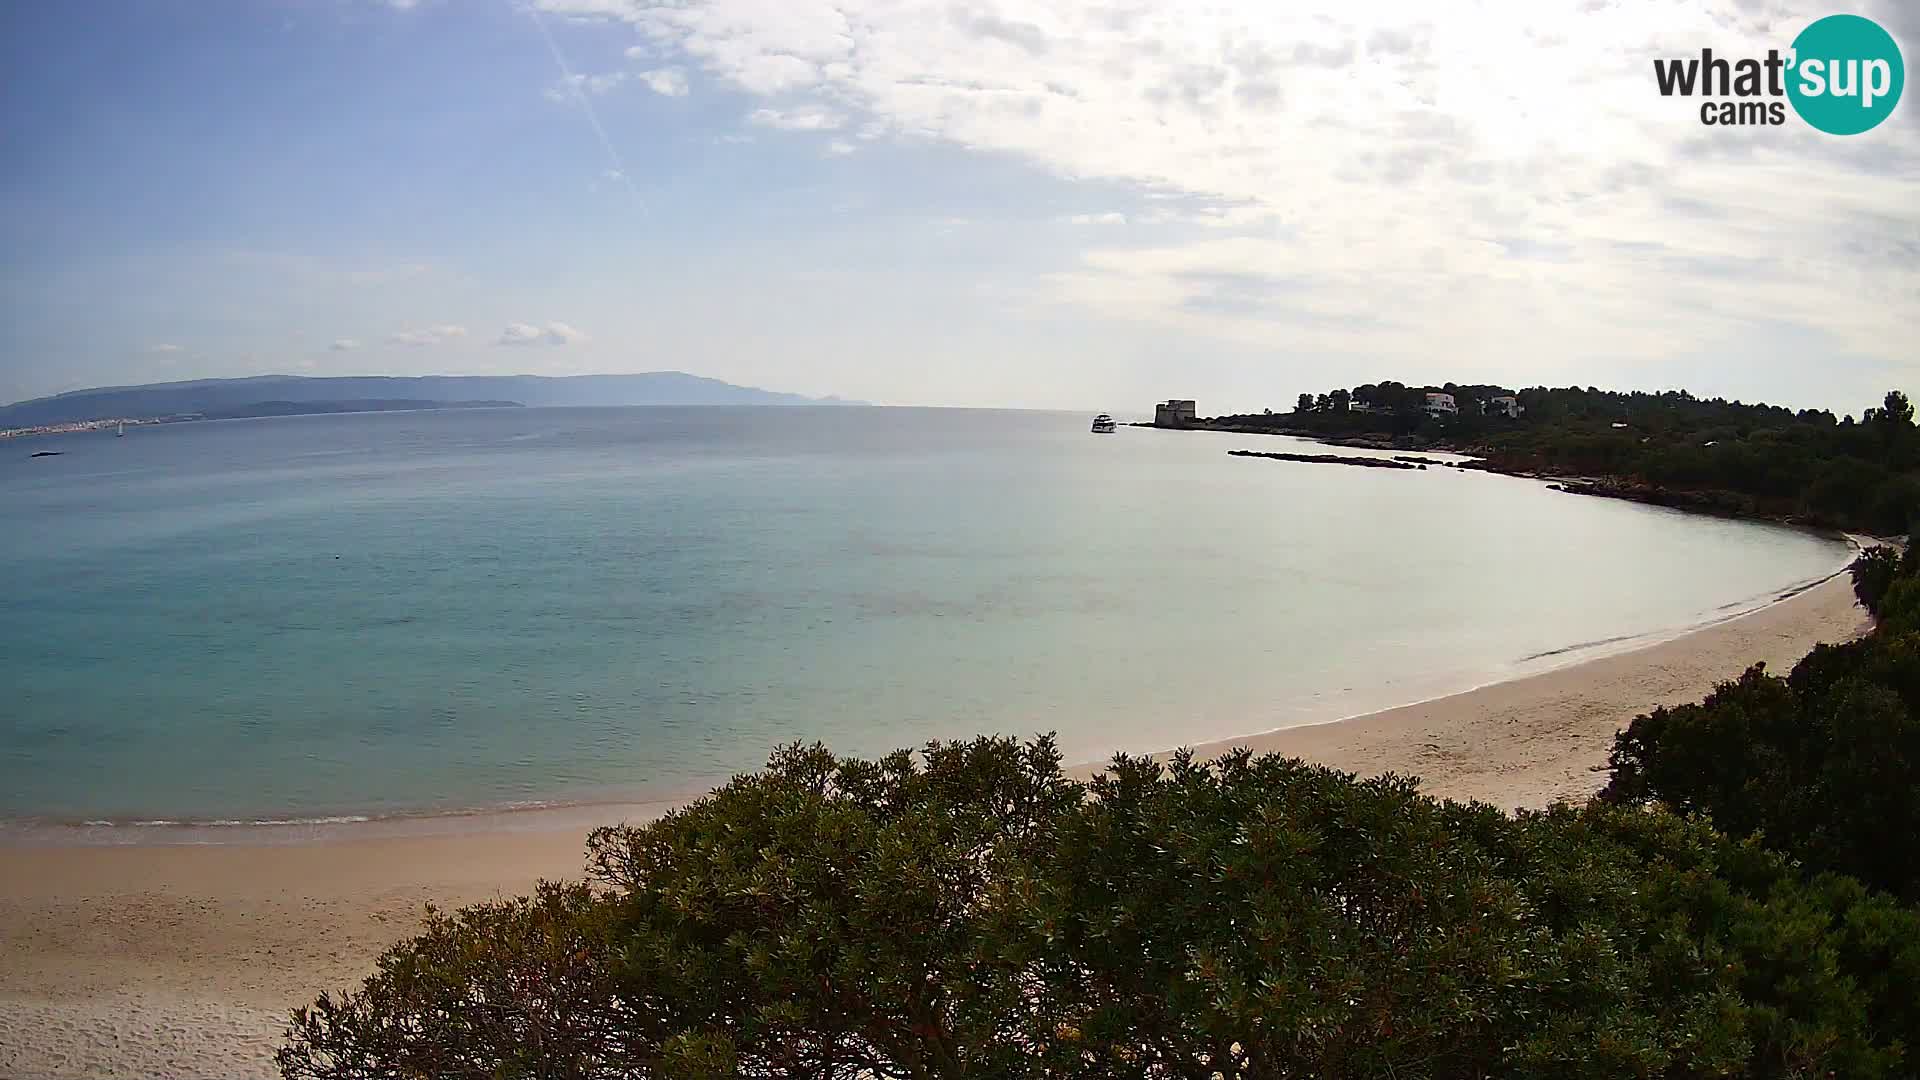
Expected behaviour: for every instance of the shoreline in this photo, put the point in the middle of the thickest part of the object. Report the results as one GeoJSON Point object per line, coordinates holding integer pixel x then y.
{"type": "Point", "coordinates": [584, 813]}
{"type": "Point", "coordinates": [1706, 502]}
{"type": "Point", "coordinates": [183, 959]}
{"type": "Point", "coordinates": [1528, 742]}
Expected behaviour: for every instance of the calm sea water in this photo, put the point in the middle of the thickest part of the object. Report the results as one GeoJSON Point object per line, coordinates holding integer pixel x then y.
{"type": "Point", "coordinates": [375, 614]}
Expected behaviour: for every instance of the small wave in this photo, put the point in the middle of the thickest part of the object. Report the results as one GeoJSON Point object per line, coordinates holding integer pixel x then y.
{"type": "Point", "coordinates": [175, 823]}
{"type": "Point", "coordinates": [183, 824]}
{"type": "Point", "coordinates": [1722, 614]}
{"type": "Point", "coordinates": [1578, 646]}
{"type": "Point", "coordinates": [341, 819]}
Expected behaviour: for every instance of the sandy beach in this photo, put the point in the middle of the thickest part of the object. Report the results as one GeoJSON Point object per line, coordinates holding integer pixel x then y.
{"type": "Point", "coordinates": [182, 960]}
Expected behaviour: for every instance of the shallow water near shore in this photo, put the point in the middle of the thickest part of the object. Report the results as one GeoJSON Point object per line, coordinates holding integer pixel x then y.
{"type": "Point", "coordinates": [364, 616]}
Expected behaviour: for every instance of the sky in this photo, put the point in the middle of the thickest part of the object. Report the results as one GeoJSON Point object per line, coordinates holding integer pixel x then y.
{"type": "Point", "coordinates": [1088, 205]}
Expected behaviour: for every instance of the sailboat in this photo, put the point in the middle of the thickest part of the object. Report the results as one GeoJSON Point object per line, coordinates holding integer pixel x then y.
{"type": "Point", "coordinates": [121, 431]}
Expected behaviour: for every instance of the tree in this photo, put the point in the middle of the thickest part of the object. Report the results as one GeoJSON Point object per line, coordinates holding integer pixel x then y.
{"type": "Point", "coordinates": [1339, 400]}
{"type": "Point", "coordinates": [1873, 574]}
{"type": "Point", "coordinates": [1897, 410]}
{"type": "Point", "coordinates": [1305, 404]}
{"type": "Point", "coordinates": [968, 911]}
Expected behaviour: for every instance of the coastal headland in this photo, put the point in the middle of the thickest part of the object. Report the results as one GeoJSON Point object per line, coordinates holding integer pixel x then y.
{"type": "Point", "coordinates": [1671, 449]}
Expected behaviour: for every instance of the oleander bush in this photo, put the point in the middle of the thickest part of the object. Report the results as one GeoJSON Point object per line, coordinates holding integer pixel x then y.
{"type": "Point", "coordinates": [969, 911]}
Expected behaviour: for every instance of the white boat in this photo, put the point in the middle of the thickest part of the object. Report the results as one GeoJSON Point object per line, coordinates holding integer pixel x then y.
{"type": "Point", "coordinates": [121, 431]}
{"type": "Point", "coordinates": [1103, 424]}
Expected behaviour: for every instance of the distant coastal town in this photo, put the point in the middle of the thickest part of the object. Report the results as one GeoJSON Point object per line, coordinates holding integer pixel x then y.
{"type": "Point", "coordinates": [87, 425]}
{"type": "Point", "coordinates": [256, 410]}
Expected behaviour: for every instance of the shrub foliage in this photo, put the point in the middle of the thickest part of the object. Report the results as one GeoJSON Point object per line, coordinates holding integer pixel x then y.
{"type": "Point", "coordinates": [969, 911]}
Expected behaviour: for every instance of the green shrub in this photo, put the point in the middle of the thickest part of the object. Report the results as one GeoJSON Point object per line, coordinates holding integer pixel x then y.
{"type": "Point", "coordinates": [1899, 611]}
{"type": "Point", "coordinates": [1873, 574]}
{"type": "Point", "coordinates": [971, 912]}
{"type": "Point", "coordinates": [1824, 765]}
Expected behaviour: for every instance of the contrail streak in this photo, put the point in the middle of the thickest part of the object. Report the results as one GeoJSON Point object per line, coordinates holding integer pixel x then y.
{"type": "Point", "coordinates": [586, 104]}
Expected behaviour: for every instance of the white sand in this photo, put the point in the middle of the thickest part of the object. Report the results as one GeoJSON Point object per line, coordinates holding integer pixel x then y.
{"type": "Point", "coordinates": [181, 961]}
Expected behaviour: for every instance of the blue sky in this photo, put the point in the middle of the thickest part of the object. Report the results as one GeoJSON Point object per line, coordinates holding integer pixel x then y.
{"type": "Point", "coordinates": [1080, 205]}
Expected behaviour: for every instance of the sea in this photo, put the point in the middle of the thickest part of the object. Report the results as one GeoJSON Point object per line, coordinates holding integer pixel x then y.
{"type": "Point", "coordinates": [346, 617]}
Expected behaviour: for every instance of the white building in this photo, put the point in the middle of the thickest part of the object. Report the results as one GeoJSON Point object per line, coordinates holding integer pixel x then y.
{"type": "Point", "coordinates": [1505, 405]}
{"type": "Point", "coordinates": [1438, 404]}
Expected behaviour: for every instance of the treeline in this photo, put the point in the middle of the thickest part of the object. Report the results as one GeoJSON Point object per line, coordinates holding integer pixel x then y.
{"type": "Point", "coordinates": [1807, 466]}
{"type": "Point", "coordinates": [1740, 903]}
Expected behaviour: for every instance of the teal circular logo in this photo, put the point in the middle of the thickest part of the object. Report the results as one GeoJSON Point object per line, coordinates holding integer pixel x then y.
{"type": "Point", "coordinates": [1846, 74]}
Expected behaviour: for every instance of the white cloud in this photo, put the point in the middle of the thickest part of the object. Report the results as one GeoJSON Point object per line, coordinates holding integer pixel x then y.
{"type": "Point", "coordinates": [840, 148]}
{"type": "Point", "coordinates": [164, 347]}
{"type": "Point", "coordinates": [557, 333]}
{"type": "Point", "coordinates": [775, 73]}
{"type": "Point", "coordinates": [345, 344]}
{"type": "Point", "coordinates": [1096, 219]}
{"type": "Point", "coordinates": [429, 335]}
{"type": "Point", "coordinates": [669, 82]}
{"type": "Point", "coordinates": [802, 118]}
{"type": "Point", "coordinates": [1499, 183]}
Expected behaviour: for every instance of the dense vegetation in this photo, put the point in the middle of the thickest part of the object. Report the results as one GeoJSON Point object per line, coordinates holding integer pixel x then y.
{"type": "Point", "coordinates": [1737, 458]}
{"type": "Point", "coordinates": [971, 912]}
{"type": "Point", "coordinates": [1823, 764]}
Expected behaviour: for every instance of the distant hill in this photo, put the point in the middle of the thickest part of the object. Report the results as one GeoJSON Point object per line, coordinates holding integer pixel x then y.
{"type": "Point", "coordinates": [308, 408]}
{"type": "Point", "coordinates": [220, 396]}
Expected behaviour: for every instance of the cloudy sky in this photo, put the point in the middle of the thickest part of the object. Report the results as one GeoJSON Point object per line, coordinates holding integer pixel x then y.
{"type": "Point", "coordinates": [1043, 204]}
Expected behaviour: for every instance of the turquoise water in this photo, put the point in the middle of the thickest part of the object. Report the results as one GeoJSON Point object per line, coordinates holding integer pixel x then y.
{"type": "Point", "coordinates": [391, 613]}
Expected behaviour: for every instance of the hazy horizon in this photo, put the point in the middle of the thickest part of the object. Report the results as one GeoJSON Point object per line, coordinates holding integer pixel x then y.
{"type": "Point", "coordinates": [1144, 408]}
{"type": "Point", "coordinates": [382, 375]}
{"type": "Point", "coordinates": [1069, 205]}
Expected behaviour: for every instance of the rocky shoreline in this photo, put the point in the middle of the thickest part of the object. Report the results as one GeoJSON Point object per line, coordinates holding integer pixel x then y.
{"type": "Point", "coordinates": [1331, 459]}
{"type": "Point", "coordinates": [1714, 502]}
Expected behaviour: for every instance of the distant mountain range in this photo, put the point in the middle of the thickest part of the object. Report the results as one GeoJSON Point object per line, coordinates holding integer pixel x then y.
{"type": "Point", "coordinates": [308, 408]}
{"type": "Point", "coordinates": [223, 397]}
